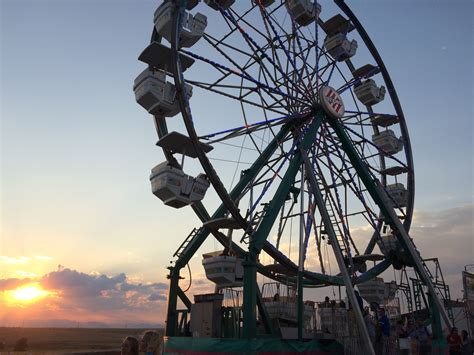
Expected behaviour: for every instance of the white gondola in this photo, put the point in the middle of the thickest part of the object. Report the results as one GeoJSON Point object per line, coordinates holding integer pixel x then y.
{"type": "Point", "coordinates": [387, 142]}
{"type": "Point", "coordinates": [398, 194]}
{"type": "Point", "coordinates": [223, 270]}
{"type": "Point", "coordinates": [369, 93]}
{"type": "Point", "coordinates": [388, 243]}
{"type": "Point", "coordinates": [219, 4]}
{"type": "Point", "coordinates": [339, 47]}
{"type": "Point", "coordinates": [384, 120]}
{"type": "Point", "coordinates": [157, 95]}
{"type": "Point", "coordinates": [286, 309]}
{"type": "Point", "coordinates": [373, 290]}
{"type": "Point", "coordinates": [303, 12]}
{"type": "Point", "coordinates": [175, 188]}
{"type": "Point", "coordinates": [264, 3]}
{"type": "Point", "coordinates": [192, 26]}
{"type": "Point", "coordinates": [376, 290]}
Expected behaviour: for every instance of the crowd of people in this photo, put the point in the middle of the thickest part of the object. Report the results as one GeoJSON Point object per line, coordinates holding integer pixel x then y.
{"type": "Point", "coordinates": [459, 345]}
{"type": "Point", "coordinates": [406, 336]}
{"type": "Point", "coordinates": [148, 343]}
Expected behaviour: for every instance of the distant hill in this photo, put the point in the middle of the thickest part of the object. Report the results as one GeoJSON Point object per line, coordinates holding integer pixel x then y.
{"type": "Point", "coordinates": [68, 339]}
{"type": "Point", "coordinates": [66, 323]}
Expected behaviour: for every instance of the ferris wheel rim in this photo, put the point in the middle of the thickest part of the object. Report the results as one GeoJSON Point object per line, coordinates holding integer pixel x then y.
{"type": "Point", "coordinates": [212, 175]}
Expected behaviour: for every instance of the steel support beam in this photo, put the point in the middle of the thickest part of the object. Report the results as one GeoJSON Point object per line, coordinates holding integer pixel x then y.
{"type": "Point", "coordinates": [318, 198]}
{"type": "Point", "coordinates": [172, 316]}
{"type": "Point", "coordinates": [257, 240]}
{"type": "Point", "coordinates": [380, 197]}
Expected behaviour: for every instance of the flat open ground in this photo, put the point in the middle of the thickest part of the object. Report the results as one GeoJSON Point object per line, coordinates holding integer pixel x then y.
{"type": "Point", "coordinates": [66, 340]}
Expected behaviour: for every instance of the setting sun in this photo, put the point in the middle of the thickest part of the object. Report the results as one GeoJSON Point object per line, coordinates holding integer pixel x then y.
{"type": "Point", "coordinates": [28, 293]}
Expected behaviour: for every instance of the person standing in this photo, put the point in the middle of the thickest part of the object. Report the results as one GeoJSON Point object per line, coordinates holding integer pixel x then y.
{"type": "Point", "coordinates": [424, 337]}
{"type": "Point", "coordinates": [454, 342]}
{"type": "Point", "coordinates": [129, 346]}
{"type": "Point", "coordinates": [385, 329]}
{"type": "Point", "coordinates": [466, 346]}
{"type": "Point", "coordinates": [370, 325]}
{"type": "Point", "coordinates": [150, 342]}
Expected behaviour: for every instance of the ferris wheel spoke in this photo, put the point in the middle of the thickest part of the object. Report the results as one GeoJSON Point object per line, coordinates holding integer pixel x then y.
{"type": "Point", "coordinates": [368, 213]}
{"type": "Point", "coordinates": [299, 52]}
{"type": "Point", "coordinates": [380, 151]}
{"type": "Point", "coordinates": [253, 44]}
{"type": "Point", "coordinates": [243, 75]}
{"type": "Point", "coordinates": [267, 19]}
{"type": "Point", "coordinates": [208, 87]}
{"type": "Point", "coordinates": [245, 129]}
{"type": "Point", "coordinates": [334, 208]}
{"type": "Point", "coordinates": [304, 141]}
{"type": "Point", "coordinates": [252, 61]}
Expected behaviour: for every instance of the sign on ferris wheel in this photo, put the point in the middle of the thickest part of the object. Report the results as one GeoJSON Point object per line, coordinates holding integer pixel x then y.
{"type": "Point", "coordinates": [331, 102]}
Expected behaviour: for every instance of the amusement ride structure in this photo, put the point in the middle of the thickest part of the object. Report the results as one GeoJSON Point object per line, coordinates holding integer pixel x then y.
{"type": "Point", "coordinates": [293, 125]}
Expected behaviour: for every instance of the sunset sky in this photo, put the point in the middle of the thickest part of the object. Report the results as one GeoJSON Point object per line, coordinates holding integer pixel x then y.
{"type": "Point", "coordinates": [79, 226]}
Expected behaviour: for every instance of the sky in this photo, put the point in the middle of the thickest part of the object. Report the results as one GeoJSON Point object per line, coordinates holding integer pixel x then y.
{"type": "Point", "coordinates": [77, 215]}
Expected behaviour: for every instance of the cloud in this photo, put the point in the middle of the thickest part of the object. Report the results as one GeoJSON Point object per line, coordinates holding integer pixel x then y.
{"type": "Point", "coordinates": [13, 283]}
{"type": "Point", "coordinates": [90, 297]}
{"type": "Point", "coordinates": [10, 260]}
{"type": "Point", "coordinates": [448, 236]}
{"type": "Point", "coordinates": [157, 297]}
{"type": "Point", "coordinates": [43, 258]}
{"type": "Point", "coordinates": [74, 283]}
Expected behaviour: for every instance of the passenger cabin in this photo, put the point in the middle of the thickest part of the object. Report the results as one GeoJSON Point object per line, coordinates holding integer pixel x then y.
{"type": "Point", "coordinates": [303, 12]}
{"type": "Point", "coordinates": [388, 243]}
{"type": "Point", "coordinates": [339, 47]}
{"type": "Point", "coordinates": [192, 26]}
{"type": "Point", "coordinates": [157, 95]}
{"type": "Point", "coordinates": [387, 142]}
{"type": "Point", "coordinates": [369, 93]}
{"type": "Point", "coordinates": [398, 194]}
{"type": "Point", "coordinates": [219, 4]}
{"type": "Point", "coordinates": [376, 290]}
{"type": "Point", "coordinates": [175, 188]}
{"type": "Point", "coordinates": [224, 270]}
{"type": "Point", "coordinates": [281, 304]}
{"type": "Point", "coordinates": [264, 3]}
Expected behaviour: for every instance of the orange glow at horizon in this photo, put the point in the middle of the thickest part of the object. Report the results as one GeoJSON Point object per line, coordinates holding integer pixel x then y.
{"type": "Point", "coordinates": [27, 294]}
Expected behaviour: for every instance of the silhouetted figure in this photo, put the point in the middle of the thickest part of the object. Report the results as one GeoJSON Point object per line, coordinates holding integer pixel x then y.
{"type": "Point", "coordinates": [384, 324]}
{"type": "Point", "coordinates": [360, 302]}
{"type": "Point", "coordinates": [454, 342]}
{"type": "Point", "coordinates": [129, 346]}
{"type": "Point", "coordinates": [21, 344]}
{"type": "Point", "coordinates": [466, 346]}
{"type": "Point", "coordinates": [150, 342]}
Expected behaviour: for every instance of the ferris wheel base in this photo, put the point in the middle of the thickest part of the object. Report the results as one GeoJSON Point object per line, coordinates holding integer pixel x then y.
{"type": "Point", "coordinates": [267, 346]}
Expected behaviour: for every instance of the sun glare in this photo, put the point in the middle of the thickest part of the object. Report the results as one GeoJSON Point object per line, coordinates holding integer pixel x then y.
{"type": "Point", "coordinates": [28, 293]}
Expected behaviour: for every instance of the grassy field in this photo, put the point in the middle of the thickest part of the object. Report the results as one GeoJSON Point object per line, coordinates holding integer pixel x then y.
{"type": "Point", "coordinates": [65, 340]}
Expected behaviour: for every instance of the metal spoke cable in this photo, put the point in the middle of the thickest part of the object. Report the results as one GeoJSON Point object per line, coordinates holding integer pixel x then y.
{"type": "Point", "coordinates": [251, 43]}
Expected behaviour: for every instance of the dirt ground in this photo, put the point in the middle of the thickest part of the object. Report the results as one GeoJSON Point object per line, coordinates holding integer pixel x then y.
{"type": "Point", "coordinates": [66, 340]}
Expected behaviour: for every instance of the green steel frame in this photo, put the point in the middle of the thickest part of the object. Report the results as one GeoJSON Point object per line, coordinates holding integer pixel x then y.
{"type": "Point", "coordinates": [252, 297]}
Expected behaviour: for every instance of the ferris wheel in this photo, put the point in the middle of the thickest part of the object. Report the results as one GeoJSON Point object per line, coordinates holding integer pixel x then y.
{"type": "Point", "coordinates": [292, 144]}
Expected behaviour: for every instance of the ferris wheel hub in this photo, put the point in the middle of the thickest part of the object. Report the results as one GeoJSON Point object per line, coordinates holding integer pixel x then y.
{"type": "Point", "coordinates": [331, 102]}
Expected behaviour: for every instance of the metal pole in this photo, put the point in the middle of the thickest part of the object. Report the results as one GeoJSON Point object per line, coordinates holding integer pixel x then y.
{"type": "Point", "coordinates": [301, 259]}
{"type": "Point", "coordinates": [337, 252]}
{"type": "Point", "coordinates": [380, 197]}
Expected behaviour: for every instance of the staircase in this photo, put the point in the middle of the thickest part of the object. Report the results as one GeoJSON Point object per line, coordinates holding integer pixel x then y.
{"type": "Point", "coordinates": [441, 288]}
{"type": "Point", "coordinates": [186, 243]}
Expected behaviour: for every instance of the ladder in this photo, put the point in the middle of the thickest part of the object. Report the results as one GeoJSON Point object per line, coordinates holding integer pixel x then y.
{"type": "Point", "coordinates": [337, 229]}
{"type": "Point", "coordinates": [187, 242]}
{"type": "Point", "coordinates": [441, 288]}
{"type": "Point", "coordinates": [404, 286]}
